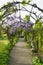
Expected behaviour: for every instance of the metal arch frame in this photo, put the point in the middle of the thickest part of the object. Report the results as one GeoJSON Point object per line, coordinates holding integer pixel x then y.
{"type": "Point", "coordinates": [22, 9]}
{"type": "Point", "coordinates": [19, 10]}
{"type": "Point", "coordinates": [17, 2]}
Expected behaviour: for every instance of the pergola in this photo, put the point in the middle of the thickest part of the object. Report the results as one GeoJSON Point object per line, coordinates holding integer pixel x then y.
{"type": "Point", "coordinates": [10, 22]}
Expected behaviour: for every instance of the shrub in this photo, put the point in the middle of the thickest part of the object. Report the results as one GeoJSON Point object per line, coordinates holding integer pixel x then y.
{"type": "Point", "coordinates": [37, 61]}
{"type": "Point", "coordinates": [5, 52]}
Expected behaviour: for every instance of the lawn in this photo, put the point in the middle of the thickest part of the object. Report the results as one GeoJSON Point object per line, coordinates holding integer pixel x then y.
{"type": "Point", "coordinates": [4, 52]}
{"type": "Point", "coordinates": [5, 48]}
{"type": "Point", "coordinates": [3, 44]}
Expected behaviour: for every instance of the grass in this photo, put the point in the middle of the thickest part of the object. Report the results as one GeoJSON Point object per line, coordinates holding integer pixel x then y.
{"type": "Point", "coordinates": [3, 44]}
{"type": "Point", "coordinates": [4, 53]}
{"type": "Point", "coordinates": [5, 49]}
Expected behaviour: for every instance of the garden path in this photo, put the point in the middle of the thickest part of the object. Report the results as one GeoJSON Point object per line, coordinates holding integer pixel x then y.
{"type": "Point", "coordinates": [20, 54]}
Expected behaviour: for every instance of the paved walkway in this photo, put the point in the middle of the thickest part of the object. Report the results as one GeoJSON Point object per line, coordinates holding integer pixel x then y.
{"type": "Point", "coordinates": [20, 55]}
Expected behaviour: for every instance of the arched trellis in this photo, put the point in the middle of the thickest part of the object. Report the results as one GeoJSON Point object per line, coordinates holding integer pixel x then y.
{"type": "Point", "coordinates": [14, 25]}
{"type": "Point", "coordinates": [13, 5]}
{"type": "Point", "coordinates": [9, 22]}
{"type": "Point", "coordinates": [10, 26]}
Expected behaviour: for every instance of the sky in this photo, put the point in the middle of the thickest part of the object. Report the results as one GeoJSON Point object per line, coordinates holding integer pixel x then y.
{"type": "Point", "coordinates": [38, 2]}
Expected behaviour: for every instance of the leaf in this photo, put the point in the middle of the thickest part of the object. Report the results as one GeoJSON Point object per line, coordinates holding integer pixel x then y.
{"type": "Point", "coordinates": [26, 2]}
{"type": "Point", "coordinates": [27, 18]}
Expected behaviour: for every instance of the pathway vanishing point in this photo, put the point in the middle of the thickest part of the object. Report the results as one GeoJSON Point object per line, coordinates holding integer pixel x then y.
{"type": "Point", "coordinates": [20, 54]}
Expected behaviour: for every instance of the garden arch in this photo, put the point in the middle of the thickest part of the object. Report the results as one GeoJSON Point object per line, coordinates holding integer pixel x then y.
{"type": "Point", "coordinates": [11, 22]}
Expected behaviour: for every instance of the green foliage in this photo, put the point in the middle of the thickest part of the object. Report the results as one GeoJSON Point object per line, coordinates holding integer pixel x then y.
{"type": "Point", "coordinates": [4, 54]}
{"type": "Point", "coordinates": [7, 5]}
{"type": "Point", "coordinates": [29, 35]}
{"type": "Point", "coordinates": [13, 9]}
{"type": "Point", "coordinates": [38, 24]}
{"type": "Point", "coordinates": [26, 2]}
{"type": "Point", "coordinates": [0, 17]}
{"type": "Point", "coordinates": [4, 57]}
{"type": "Point", "coordinates": [36, 61]}
{"type": "Point", "coordinates": [27, 18]}
{"type": "Point", "coordinates": [25, 35]}
{"type": "Point", "coordinates": [1, 14]}
{"type": "Point", "coordinates": [38, 36]}
{"type": "Point", "coordinates": [28, 46]}
{"type": "Point", "coordinates": [15, 40]}
{"type": "Point", "coordinates": [5, 49]}
{"type": "Point", "coordinates": [27, 38]}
